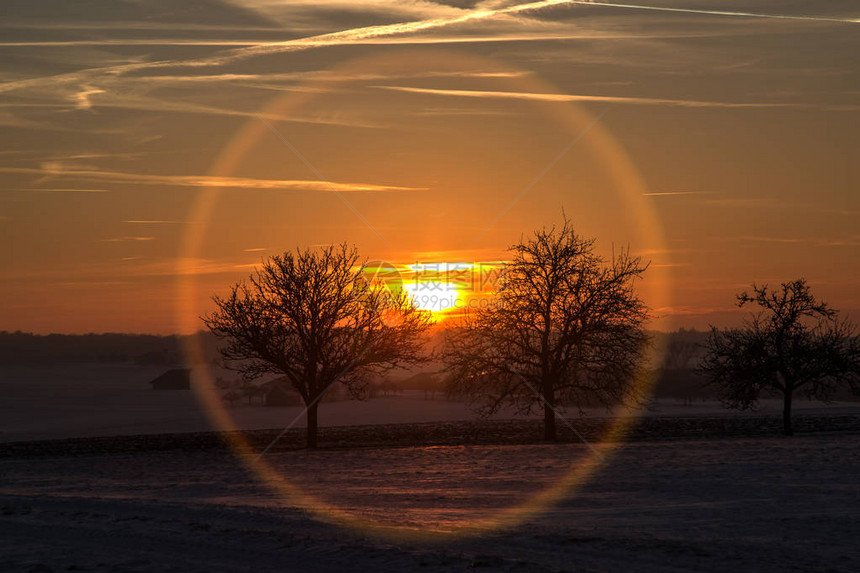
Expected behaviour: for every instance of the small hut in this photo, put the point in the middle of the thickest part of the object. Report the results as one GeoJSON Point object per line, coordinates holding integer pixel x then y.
{"type": "Point", "coordinates": [279, 392]}
{"type": "Point", "coordinates": [176, 379]}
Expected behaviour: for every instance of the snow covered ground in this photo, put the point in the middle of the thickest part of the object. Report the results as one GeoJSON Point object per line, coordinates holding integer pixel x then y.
{"type": "Point", "coordinates": [763, 504]}
{"type": "Point", "coordinates": [769, 504]}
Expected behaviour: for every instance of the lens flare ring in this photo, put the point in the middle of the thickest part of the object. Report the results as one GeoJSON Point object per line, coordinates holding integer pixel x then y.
{"type": "Point", "coordinates": [570, 118]}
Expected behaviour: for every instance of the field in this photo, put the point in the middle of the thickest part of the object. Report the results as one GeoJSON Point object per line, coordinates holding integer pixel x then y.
{"type": "Point", "coordinates": [84, 400]}
{"type": "Point", "coordinates": [667, 500]}
{"type": "Point", "coordinates": [766, 504]}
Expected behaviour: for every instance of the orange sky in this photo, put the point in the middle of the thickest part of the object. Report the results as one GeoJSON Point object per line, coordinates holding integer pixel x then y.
{"type": "Point", "coordinates": [151, 157]}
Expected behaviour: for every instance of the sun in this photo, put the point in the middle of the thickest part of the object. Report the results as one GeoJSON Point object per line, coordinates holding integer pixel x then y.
{"type": "Point", "coordinates": [438, 297]}
{"type": "Point", "coordinates": [445, 289]}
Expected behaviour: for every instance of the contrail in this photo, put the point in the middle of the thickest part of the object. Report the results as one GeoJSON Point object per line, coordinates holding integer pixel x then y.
{"type": "Point", "coordinates": [369, 33]}
{"type": "Point", "coordinates": [350, 36]}
{"type": "Point", "coordinates": [557, 97]}
{"type": "Point", "coordinates": [717, 12]}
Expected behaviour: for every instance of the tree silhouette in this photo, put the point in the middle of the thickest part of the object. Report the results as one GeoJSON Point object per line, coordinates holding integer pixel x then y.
{"type": "Point", "coordinates": [565, 329]}
{"type": "Point", "coordinates": [313, 318]}
{"type": "Point", "coordinates": [793, 344]}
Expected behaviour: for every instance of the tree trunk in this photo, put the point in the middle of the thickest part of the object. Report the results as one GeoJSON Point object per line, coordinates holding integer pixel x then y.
{"type": "Point", "coordinates": [549, 434]}
{"type": "Point", "coordinates": [548, 423]}
{"type": "Point", "coordinates": [786, 412]}
{"type": "Point", "coordinates": [312, 423]}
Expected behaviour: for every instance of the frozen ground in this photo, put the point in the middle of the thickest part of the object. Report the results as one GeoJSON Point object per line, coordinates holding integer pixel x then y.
{"type": "Point", "coordinates": [768, 504]}
{"type": "Point", "coordinates": [110, 399]}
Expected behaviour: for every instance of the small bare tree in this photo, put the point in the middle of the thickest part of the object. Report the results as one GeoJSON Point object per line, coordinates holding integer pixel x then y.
{"type": "Point", "coordinates": [794, 344]}
{"type": "Point", "coordinates": [565, 329]}
{"type": "Point", "coordinates": [313, 317]}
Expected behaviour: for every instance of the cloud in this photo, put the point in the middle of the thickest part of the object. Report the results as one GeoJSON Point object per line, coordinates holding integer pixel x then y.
{"type": "Point", "coordinates": [187, 266]}
{"type": "Point", "coordinates": [426, 39]}
{"type": "Point", "coordinates": [747, 202]}
{"type": "Point", "coordinates": [839, 243]}
{"type": "Point", "coordinates": [343, 37]}
{"type": "Point", "coordinates": [144, 103]}
{"type": "Point", "coordinates": [779, 240]}
{"type": "Point", "coordinates": [429, 16]}
{"type": "Point", "coordinates": [79, 156]}
{"type": "Point", "coordinates": [82, 98]}
{"type": "Point", "coordinates": [736, 14]}
{"type": "Point", "coordinates": [317, 75]}
{"type": "Point", "coordinates": [125, 42]}
{"type": "Point", "coordinates": [551, 97]}
{"type": "Point", "coordinates": [127, 239]}
{"type": "Point", "coordinates": [54, 169]}
{"type": "Point", "coordinates": [676, 193]}
{"type": "Point", "coordinates": [130, 92]}
{"type": "Point", "coordinates": [129, 266]}
{"type": "Point", "coordinates": [59, 190]}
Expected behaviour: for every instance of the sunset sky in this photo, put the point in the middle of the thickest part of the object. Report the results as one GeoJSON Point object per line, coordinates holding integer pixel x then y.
{"type": "Point", "coordinates": [154, 151]}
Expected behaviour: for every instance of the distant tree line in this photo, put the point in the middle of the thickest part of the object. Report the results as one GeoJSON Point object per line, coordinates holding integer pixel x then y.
{"type": "Point", "coordinates": [44, 349]}
{"type": "Point", "coordinates": [677, 375]}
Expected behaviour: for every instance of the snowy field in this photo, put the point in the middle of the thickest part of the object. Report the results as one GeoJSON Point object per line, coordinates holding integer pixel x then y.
{"type": "Point", "coordinates": [114, 399]}
{"type": "Point", "coordinates": [743, 504]}
{"type": "Point", "coordinates": [769, 504]}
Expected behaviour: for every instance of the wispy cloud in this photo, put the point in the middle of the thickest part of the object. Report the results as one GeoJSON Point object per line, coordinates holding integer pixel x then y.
{"type": "Point", "coordinates": [430, 16]}
{"type": "Point", "coordinates": [762, 239]}
{"type": "Point", "coordinates": [554, 97]}
{"type": "Point", "coordinates": [855, 242]}
{"type": "Point", "coordinates": [343, 37]}
{"type": "Point", "coordinates": [676, 193]}
{"type": "Point", "coordinates": [750, 202]}
{"type": "Point", "coordinates": [127, 239]}
{"type": "Point", "coordinates": [131, 266]}
{"type": "Point", "coordinates": [495, 38]}
{"type": "Point", "coordinates": [126, 42]}
{"type": "Point", "coordinates": [82, 98]}
{"type": "Point", "coordinates": [731, 13]}
{"type": "Point", "coordinates": [124, 92]}
{"type": "Point", "coordinates": [58, 190]}
{"type": "Point", "coordinates": [80, 156]}
{"type": "Point", "coordinates": [815, 242]}
{"type": "Point", "coordinates": [60, 171]}
{"type": "Point", "coordinates": [143, 103]}
{"type": "Point", "coordinates": [844, 212]}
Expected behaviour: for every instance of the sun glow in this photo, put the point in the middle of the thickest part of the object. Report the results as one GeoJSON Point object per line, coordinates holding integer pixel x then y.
{"type": "Point", "coordinates": [445, 288]}
{"type": "Point", "coordinates": [435, 296]}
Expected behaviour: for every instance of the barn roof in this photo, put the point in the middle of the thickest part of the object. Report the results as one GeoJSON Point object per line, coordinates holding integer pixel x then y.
{"type": "Point", "coordinates": [280, 382]}
{"type": "Point", "coordinates": [173, 378]}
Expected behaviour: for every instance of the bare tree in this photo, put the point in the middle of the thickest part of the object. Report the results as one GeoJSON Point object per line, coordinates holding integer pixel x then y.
{"type": "Point", "coordinates": [793, 344]}
{"type": "Point", "coordinates": [312, 317]}
{"type": "Point", "coordinates": [683, 349]}
{"type": "Point", "coordinates": [564, 330]}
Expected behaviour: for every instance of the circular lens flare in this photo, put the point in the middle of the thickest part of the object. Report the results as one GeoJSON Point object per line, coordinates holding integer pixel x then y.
{"type": "Point", "coordinates": [568, 117]}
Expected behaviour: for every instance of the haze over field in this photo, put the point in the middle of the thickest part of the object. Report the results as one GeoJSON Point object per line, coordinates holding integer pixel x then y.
{"type": "Point", "coordinates": [153, 153]}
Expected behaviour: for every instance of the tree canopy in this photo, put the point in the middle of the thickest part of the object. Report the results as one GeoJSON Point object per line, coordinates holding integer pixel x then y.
{"type": "Point", "coordinates": [313, 317]}
{"type": "Point", "coordinates": [793, 344]}
{"type": "Point", "coordinates": [565, 329]}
